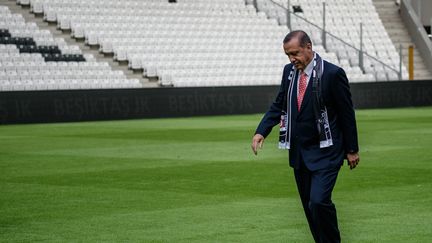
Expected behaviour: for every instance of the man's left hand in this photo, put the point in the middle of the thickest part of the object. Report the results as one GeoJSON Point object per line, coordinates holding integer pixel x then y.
{"type": "Point", "coordinates": [353, 160]}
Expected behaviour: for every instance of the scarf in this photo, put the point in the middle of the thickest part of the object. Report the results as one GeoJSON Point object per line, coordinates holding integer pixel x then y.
{"type": "Point", "coordinates": [320, 110]}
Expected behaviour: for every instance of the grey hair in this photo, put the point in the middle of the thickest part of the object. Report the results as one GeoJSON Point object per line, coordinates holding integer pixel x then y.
{"type": "Point", "coordinates": [302, 36]}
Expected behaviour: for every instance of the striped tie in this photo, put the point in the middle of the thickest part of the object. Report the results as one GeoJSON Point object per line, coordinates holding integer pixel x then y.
{"type": "Point", "coordinates": [302, 89]}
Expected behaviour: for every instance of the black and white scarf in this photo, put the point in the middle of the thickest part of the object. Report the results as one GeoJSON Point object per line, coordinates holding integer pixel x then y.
{"type": "Point", "coordinates": [320, 110]}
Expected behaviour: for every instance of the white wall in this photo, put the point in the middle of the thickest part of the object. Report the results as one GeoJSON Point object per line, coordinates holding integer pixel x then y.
{"type": "Point", "coordinates": [426, 10]}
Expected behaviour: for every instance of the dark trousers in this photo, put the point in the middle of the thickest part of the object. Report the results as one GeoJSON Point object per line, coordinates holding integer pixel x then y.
{"type": "Point", "coordinates": [315, 189]}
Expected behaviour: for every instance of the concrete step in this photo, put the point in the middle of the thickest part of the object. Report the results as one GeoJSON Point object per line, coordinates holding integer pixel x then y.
{"type": "Point", "coordinates": [389, 14]}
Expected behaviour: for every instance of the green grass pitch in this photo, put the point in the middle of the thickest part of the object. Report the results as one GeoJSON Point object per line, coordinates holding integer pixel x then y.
{"type": "Point", "coordinates": [196, 180]}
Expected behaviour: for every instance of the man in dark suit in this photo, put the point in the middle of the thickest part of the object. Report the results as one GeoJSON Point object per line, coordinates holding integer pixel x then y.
{"type": "Point", "coordinates": [317, 125]}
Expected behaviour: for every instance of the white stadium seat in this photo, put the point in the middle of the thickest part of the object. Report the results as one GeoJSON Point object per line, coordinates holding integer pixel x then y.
{"type": "Point", "coordinates": [206, 42]}
{"type": "Point", "coordinates": [21, 70]}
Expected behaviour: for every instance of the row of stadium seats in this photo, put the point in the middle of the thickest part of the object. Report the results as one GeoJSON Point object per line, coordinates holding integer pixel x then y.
{"type": "Point", "coordinates": [20, 32]}
{"type": "Point", "coordinates": [343, 18]}
{"type": "Point", "coordinates": [27, 64]}
{"type": "Point", "coordinates": [145, 33]}
{"type": "Point", "coordinates": [56, 83]}
{"type": "Point", "coordinates": [167, 40]}
{"type": "Point", "coordinates": [28, 45]}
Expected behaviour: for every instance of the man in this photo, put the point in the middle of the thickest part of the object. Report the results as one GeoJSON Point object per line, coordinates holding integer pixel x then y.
{"type": "Point", "coordinates": [317, 125]}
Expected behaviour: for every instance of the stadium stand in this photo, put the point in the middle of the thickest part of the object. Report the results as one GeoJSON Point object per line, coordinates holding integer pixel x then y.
{"type": "Point", "coordinates": [343, 18]}
{"type": "Point", "coordinates": [31, 59]}
{"type": "Point", "coordinates": [209, 43]}
{"type": "Point", "coordinates": [187, 43]}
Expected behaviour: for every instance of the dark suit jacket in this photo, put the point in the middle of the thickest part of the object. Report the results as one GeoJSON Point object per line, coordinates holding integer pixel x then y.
{"type": "Point", "coordinates": [304, 134]}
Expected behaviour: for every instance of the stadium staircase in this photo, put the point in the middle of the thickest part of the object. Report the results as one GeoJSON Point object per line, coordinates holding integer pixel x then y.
{"type": "Point", "coordinates": [388, 11]}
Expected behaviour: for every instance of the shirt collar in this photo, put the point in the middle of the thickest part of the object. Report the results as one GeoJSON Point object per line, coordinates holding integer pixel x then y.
{"type": "Point", "coordinates": [309, 67]}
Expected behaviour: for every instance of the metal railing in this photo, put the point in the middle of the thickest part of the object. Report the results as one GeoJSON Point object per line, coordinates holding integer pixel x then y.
{"type": "Point", "coordinates": [373, 63]}
{"type": "Point", "coordinates": [417, 32]}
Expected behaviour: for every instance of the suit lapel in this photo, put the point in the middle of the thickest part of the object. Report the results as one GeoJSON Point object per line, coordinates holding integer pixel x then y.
{"type": "Point", "coordinates": [293, 103]}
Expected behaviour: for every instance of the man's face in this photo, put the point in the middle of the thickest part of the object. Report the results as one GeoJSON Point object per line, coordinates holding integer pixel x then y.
{"type": "Point", "coordinates": [299, 56]}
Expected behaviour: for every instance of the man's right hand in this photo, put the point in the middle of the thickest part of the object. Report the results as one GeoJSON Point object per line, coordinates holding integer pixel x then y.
{"type": "Point", "coordinates": [257, 142]}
